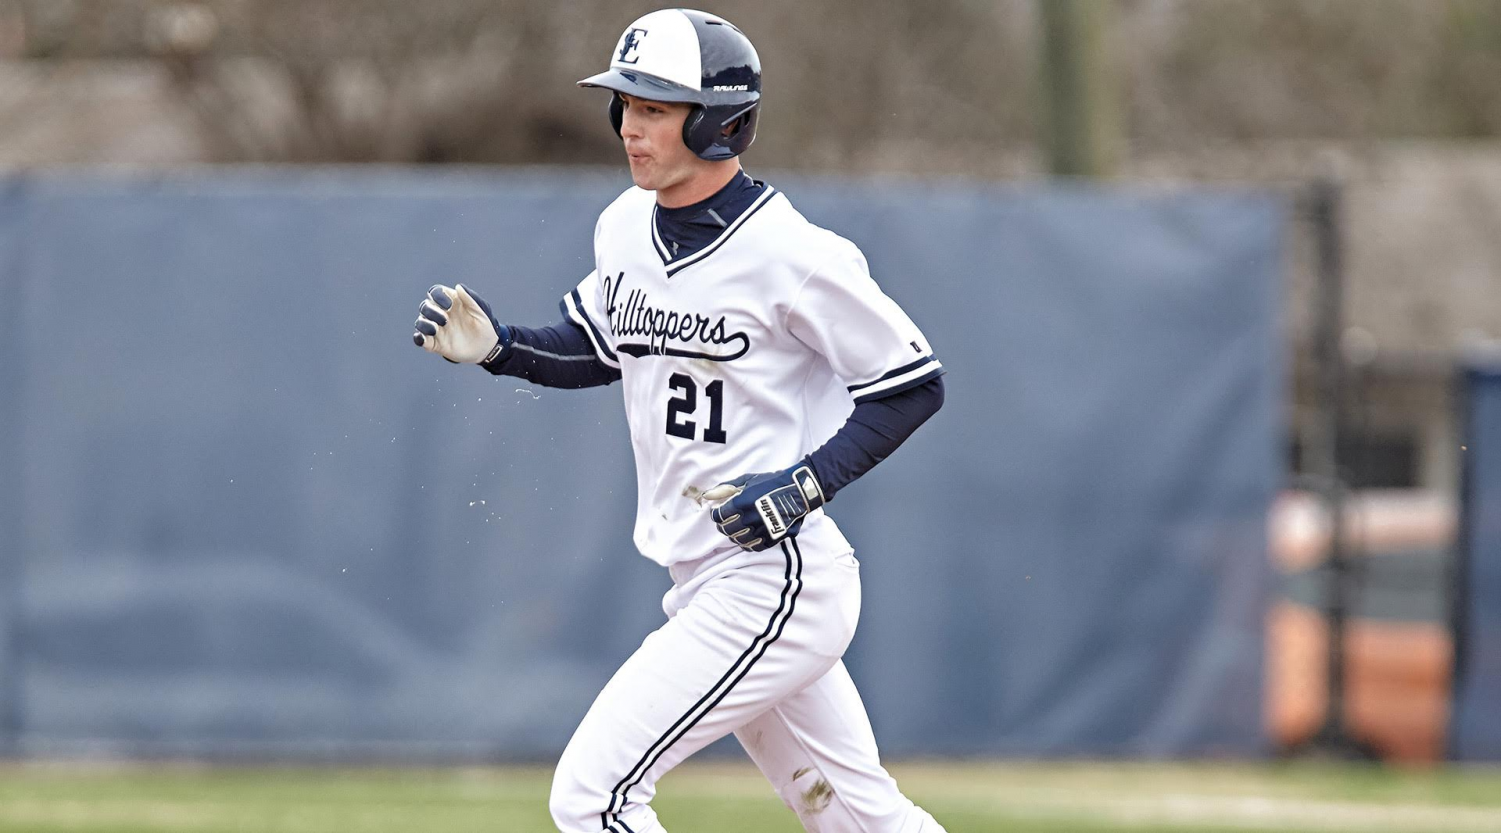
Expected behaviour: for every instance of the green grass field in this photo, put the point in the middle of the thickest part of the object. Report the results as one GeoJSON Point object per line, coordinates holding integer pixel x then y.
{"type": "Point", "coordinates": [731, 798]}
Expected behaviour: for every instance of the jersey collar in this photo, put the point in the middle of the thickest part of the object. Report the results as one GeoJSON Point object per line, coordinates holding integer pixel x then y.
{"type": "Point", "coordinates": [690, 230]}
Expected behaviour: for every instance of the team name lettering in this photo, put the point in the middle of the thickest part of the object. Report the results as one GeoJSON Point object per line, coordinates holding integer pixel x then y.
{"type": "Point", "coordinates": [668, 332]}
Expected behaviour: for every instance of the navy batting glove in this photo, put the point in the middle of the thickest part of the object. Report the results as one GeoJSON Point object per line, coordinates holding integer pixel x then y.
{"type": "Point", "coordinates": [769, 507]}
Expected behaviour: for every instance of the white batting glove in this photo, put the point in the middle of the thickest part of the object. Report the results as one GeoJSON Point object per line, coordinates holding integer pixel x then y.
{"type": "Point", "coordinates": [458, 325]}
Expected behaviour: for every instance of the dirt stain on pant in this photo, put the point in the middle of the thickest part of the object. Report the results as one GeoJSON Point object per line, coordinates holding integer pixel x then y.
{"type": "Point", "coordinates": [816, 798]}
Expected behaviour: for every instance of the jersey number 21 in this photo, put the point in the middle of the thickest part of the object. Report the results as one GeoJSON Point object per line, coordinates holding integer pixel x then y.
{"type": "Point", "coordinates": [685, 403]}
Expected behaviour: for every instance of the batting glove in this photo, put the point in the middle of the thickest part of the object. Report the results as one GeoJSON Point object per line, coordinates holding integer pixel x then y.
{"type": "Point", "coordinates": [458, 325]}
{"type": "Point", "coordinates": [761, 509]}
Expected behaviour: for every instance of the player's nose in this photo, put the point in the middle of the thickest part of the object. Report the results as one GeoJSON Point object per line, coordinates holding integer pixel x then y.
{"type": "Point", "coordinates": [630, 127]}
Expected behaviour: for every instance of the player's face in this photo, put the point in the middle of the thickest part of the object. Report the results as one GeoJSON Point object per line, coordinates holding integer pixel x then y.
{"type": "Point", "coordinates": [653, 136]}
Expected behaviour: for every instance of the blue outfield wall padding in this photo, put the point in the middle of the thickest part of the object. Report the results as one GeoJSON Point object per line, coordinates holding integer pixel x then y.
{"type": "Point", "coordinates": [256, 517]}
{"type": "Point", "coordinates": [1475, 720]}
{"type": "Point", "coordinates": [12, 495]}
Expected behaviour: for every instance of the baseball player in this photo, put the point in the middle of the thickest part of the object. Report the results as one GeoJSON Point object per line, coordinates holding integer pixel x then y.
{"type": "Point", "coordinates": [763, 371]}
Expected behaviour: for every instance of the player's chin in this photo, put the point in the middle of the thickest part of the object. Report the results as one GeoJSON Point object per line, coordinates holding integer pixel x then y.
{"type": "Point", "coordinates": [642, 174]}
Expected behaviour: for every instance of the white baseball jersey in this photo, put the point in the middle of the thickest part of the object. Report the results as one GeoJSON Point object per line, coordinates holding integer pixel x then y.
{"type": "Point", "coordinates": [742, 357]}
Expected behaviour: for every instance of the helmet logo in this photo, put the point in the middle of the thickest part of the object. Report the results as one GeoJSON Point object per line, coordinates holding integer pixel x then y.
{"type": "Point", "coordinates": [630, 46]}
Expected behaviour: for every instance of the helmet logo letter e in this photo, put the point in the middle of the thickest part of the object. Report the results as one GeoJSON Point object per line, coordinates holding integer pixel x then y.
{"type": "Point", "coordinates": [630, 46]}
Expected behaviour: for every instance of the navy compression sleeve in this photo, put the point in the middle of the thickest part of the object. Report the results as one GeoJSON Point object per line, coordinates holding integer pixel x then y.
{"type": "Point", "coordinates": [559, 356]}
{"type": "Point", "coordinates": [874, 430]}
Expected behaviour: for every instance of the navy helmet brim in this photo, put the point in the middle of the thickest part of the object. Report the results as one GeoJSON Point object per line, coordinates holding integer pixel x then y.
{"type": "Point", "coordinates": [641, 85]}
{"type": "Point", "coordinates": [652, 88]}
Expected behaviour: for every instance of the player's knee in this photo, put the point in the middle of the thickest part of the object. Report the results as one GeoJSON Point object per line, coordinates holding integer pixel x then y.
{"type": "Point", "coordinates": [574, 809]}
{"type": "Point", "coordinates": [563, 815]}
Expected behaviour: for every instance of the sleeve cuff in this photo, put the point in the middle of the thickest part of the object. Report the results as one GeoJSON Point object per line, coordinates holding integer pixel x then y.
{"type": "Point", "coordinates": [903, 378]}
{"type": "Point", "coordinates": [501, 354]}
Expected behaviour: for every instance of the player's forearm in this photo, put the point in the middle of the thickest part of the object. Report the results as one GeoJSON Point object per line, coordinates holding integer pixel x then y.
{"type": "Point", "coordinates": [558, 356]}
{"type": "Point", "coordinates": [874, 430]}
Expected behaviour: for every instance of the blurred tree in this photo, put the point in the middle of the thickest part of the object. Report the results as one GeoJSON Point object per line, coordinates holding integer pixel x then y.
{"type": "Point", "coordinates": [1471, 79]}
{"type": "Point", "coordinates": [848, 87]}
{"type": "Point", "coordinates": [1079, 93]}
{"type": "Point", "coordinates": [1303, 69]}
{"type": "Point", "coordinates": [946, 87]}
{"type": "Point", "coordinates": [366, 81]}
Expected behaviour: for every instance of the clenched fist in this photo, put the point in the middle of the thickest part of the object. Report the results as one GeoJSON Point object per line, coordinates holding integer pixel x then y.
{"type": "Point", "coordinates": [458, 325]}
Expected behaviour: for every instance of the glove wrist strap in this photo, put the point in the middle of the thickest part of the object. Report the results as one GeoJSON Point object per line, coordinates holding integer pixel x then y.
{"type": "Point", "coordinates": [500, 352]}
{"type": "Point", "coordinates": [807, 483]}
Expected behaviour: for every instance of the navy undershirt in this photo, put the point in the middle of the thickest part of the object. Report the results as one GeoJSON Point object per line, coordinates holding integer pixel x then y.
{"type": "Point", "coordinates": [561, 356]}
{"type": "Point", "coordinates": [874, 429]}
{"type": "Point", "coordinates": [690, 228]}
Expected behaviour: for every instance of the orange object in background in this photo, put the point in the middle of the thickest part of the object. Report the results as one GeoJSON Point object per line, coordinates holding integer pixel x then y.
{"type": "Point", "coordinates": [1398, 672]}
{"type": "Point", "coordinates": [1397, 677]}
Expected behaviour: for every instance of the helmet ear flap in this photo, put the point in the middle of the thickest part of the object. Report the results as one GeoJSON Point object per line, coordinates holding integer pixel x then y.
{"type": "Point", "coordinates": [704, 131]}
{"type": "Point", "coordinates": [745, 130]}
{"type": "Point", "coordinates": [691, 132]}
{"type": "Point", "coordinates": [617, 112]}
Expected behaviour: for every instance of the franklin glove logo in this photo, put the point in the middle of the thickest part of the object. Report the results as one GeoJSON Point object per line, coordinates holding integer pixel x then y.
{"type": "Point", "coordinates": [759, 510]}
{"type": "Point", "coordinates": [775, 523]}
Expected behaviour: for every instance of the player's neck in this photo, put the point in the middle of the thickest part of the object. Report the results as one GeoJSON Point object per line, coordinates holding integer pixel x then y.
{"type": "Point", "coordinates": [702, 185]}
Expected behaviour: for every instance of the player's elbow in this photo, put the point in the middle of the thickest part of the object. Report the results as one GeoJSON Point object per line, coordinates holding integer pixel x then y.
{"type": "Point", "coordinates": [928, 397]}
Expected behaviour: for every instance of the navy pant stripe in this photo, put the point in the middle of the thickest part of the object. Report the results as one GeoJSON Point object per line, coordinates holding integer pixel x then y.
{"type": "Point", "coordinates": [721, 688]}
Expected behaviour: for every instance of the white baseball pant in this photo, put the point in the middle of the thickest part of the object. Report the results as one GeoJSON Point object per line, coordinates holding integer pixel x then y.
{"type": "Point", "coordinates": [751, 646]}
